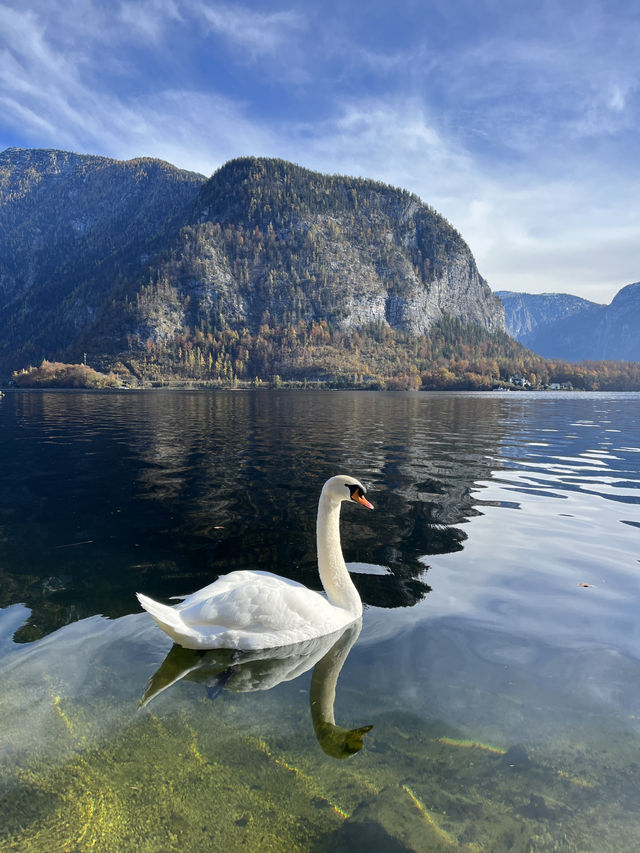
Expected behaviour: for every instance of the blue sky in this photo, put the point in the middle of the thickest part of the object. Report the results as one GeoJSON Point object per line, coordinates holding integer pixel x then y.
{"type": "Point", "coordinates": [516, 120]}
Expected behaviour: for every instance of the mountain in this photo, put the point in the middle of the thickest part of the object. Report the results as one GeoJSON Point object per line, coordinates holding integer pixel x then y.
{"type": "Point", "coordinates": [557, 325]}
{"type": "Point", "coordinates": [73, 228]}
{"type": "Point", "coordinates": [119, 258]}
{"type": "Point", "coordinates": [526, 312]}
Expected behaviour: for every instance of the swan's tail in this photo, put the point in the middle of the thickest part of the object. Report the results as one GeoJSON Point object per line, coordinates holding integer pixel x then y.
{"type": "Point", "coordinates": [165, 617]}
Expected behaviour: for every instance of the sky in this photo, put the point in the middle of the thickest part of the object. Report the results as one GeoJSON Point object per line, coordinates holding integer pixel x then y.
{"type": "Point", "coordinates": [516, 119]}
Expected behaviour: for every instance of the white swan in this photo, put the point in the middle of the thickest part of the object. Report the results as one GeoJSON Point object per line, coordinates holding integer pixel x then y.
{"type": "Point", "coordinates": [259, 610]}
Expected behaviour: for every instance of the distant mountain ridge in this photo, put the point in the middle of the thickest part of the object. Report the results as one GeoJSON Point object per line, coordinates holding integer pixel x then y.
{"type": "Point", "coordinates": [104, 256]}
{"type": "Point", "coordinates": [558, 325]}
{"type": "Point", "coordinates": [525, 312]}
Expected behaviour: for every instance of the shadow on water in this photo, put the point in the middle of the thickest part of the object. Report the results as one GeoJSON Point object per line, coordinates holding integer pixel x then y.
{"type": "Point", "coordinates": [247, 672]}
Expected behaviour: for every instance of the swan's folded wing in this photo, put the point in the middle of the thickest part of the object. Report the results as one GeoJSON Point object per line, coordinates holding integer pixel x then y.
{"type": "Point", "coordinates": [227, 583]}
{"type": "Point", "coordinates": [256, 602]}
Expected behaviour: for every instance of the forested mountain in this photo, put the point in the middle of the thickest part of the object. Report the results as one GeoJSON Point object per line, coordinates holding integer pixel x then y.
{"type": "Point", "coordinates": [558, 325]}
{"type": "Point", "coordinates": [271, 245]}
{"type": "Point", "coordinates": [73, 230]}
{"type": "Point", "coordinates": [115, 258]}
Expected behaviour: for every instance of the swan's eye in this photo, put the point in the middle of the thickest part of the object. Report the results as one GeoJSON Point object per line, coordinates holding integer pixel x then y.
{"type": "Point", "coordinates": [356, 492]}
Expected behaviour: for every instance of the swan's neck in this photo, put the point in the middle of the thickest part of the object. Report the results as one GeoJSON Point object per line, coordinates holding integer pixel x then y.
{"type": "Point", "coordinates": [325, 676]}
{"type": "Point", "coordinates": [333, 572]}
{"type": "Point", "coordinates": [334, 740]}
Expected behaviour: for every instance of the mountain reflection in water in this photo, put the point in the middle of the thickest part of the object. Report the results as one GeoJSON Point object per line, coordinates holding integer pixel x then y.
{"type": "Point", "coordinates": [104, 494]}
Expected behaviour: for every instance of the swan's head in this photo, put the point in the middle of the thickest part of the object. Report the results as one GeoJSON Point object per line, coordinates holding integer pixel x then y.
{"type": "Point", "coordinates": [345, 488]}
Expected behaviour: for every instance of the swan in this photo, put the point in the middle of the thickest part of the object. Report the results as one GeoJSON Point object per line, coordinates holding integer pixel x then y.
{"type": "Point", "coordinates": [248, 610]}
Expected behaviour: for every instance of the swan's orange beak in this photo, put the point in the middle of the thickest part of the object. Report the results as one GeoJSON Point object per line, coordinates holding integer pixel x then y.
{"type": "Point", "coordinates": [359, 498]}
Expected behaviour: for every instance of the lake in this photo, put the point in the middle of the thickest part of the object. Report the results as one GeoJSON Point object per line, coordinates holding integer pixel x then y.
{"type": "Point", "coordinates": [497, 662]}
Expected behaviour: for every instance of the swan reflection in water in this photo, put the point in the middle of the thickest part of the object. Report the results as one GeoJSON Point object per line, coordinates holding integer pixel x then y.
{"type": "Point", "coordinates": [246, 672]}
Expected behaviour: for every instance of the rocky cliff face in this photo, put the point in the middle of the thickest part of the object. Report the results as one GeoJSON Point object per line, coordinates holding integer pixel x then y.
{"type": "Point", "coordinates": [273, 242]}
{"type": "Point", "coordinates": [558, 325]}
{"type": "Point", "coordinates": [99, 255]}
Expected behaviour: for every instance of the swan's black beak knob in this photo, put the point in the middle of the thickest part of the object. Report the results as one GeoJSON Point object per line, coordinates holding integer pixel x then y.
{"type": "Point", "coordinates": [357, 495]}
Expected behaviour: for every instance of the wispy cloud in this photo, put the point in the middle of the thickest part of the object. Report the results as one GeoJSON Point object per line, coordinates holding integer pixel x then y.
{"type": "Point", "coordinates": [48, 94]}
{"type": "Point", "coordinates": [197, 131]}
{"type": "Point", "coordinates": [150, 18]}
{"type": "Point", "coordinates": [394, 140]}
{"type": "Point", "coordinates": [39, 84]}
{"type": "Point", "coordinates": [539, 84]}
{"type": "Point", "coordinates": [257, 32]}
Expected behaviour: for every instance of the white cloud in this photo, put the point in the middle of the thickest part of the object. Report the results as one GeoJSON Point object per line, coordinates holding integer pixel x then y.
{"type": "Point", "coordinates": [258, 33]}
{"type": "Point", "coordinates": [556, 236]}
{"type": "Point", "coordinates": [542, 84]}
{"type": "Point", "coordinates": [193, 131]}
{"type": "Point", "coordinates": [150, 18]}
{"type": "Point", "coordinates": [40, 85]}
{"type": "Point", "coordinates": [392, 141]}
